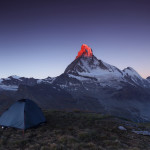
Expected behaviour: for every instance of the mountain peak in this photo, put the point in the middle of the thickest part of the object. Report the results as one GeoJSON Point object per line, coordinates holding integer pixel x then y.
{"type": "Point", "coordinates": [85, 50]}
{"type": "Point", "coordinates": [131, 72]}
{"type": "Point", "coordinates": [14, 77]}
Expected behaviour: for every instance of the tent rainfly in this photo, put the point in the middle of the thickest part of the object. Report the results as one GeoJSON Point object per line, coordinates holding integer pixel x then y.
{"type": "Point", "coordinates": [23, 114]}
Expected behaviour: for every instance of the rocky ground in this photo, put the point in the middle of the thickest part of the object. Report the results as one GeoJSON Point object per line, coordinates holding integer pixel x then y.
{"type": "Point", "coordinates": [77, 131]}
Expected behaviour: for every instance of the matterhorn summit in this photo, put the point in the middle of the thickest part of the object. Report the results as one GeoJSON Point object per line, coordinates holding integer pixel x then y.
{"type": "Point", "coordinates": [85, 50]}
{"type": "Point", "coordinates": [87, 66]}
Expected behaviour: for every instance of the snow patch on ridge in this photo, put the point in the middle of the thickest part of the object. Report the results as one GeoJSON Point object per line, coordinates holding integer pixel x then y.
{"type": "Point", "coordinates": [9, 87]}
{"type": "Point", "coordinates": [97, 72]}
{"type": "Point", "coordinates": [1, 80]}
{"type": "Point", "coordinates": [15, 77]}
{"type": "Point", "coordinates": [48, 80]}
{"type": "Point", "coordinates": [7, 79]}
{"type": "Point", "coordinates": [77, 77]}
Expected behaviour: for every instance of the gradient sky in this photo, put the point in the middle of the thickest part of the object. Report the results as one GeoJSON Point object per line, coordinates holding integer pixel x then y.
{"type": "Point", "coordinates": [41, 38]}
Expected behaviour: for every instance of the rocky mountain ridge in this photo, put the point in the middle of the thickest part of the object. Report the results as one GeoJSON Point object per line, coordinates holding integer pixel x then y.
{"type": "Point", "coordinates": [88, 84]}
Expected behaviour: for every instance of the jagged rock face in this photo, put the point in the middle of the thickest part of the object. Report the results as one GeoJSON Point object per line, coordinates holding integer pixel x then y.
{"type": "Point", "coordinates": [85, 64]}
{"type": "Point", "coordinates": [90, 69]}
{"type": "Point", "coordinates": [148, 78]}
{"type": "Point", "coordinates": [85, 51]}
{"type": "Point", "coordinates": [134, 78]}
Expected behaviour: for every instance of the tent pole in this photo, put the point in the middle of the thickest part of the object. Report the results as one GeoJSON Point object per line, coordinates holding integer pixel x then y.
{"type": "Point", "coordinates": [23, 132]}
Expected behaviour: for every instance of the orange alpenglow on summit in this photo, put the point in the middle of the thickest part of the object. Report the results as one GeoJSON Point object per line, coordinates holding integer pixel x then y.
{"type": "Point", "coordinates": [85, 50]}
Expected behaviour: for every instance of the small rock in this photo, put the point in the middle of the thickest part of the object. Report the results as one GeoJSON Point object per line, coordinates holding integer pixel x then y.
{"type": "Point", "coordinates": [122, 128]}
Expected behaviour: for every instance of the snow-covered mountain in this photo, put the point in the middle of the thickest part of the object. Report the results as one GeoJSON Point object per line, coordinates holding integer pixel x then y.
{"type": "Point", "coordinates": [119, 92]}
{"type": "Point", "coordinates": [88, 84]}
{"type": "Point", "coordinates": [12, 82]}
{"type": "Point", "coordinates": [88, 67]}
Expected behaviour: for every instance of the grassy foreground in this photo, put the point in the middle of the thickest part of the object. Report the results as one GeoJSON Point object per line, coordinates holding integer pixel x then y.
{"type": "Point", "coordinates": [75, 131]}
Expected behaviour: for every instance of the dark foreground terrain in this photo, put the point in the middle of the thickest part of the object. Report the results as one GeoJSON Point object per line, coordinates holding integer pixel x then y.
{"type": "Point", "coordinates": [76, 131]}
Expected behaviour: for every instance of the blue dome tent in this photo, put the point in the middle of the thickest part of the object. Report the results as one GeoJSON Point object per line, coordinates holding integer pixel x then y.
{"type": "Point", "coordinates": [23, 114]}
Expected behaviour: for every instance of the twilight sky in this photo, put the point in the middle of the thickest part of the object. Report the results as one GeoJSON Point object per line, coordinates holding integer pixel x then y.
{"type": "Point", "coordinates": [40, 38]}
